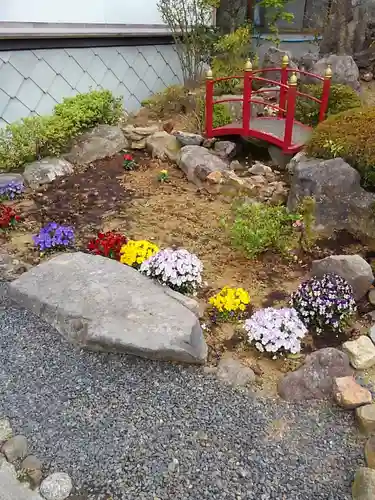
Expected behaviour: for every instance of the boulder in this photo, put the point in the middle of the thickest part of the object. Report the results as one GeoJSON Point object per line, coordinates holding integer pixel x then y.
{"type": "Point", "coordinates": [353, 268]}
{"type": "Point", "coordinates": [366, 418]}
{"type": "Point", "coordinates": [361, 352]}
{"type": "Point", "coordinates": [314, 380]}
{"type": "Point", "coordinates": [163, 145]}
{"type": "Point", "coordinates": [370, 452]}
{"type": "Point", "coordinates": [344, 69]}
{"type": "Point", "coordinates": [32, 467]}
{"type": "Point", "coordinates": [198, 162]}
{"type": "Point", "coordinates": [15, 448]}
{"type": "Point", "coordinates": [233, 372]}
{"type": "Point", "coordinates": [341, 202]}
{"type": "Point", "coordinates": [349, 394]}
{"type": "Point", "coordinates": [98, 143]}
{"type": "Point", "coordinates": [137, 135]}
{"type": "Point", "coordinates": [189, 139]}
{"type": "Point", "coordinates": [102, 305]}
{"type": "Point", "coordinates": [363, 487]}
{"type": "Point", "coordinates": [46, 170]}
{"type": "Point", "coordinates": [273, 58]}
{"type": "Point", "coordinates": [225, 149]}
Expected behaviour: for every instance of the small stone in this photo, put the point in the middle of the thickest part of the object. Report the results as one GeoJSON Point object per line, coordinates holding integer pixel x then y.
{"type": "Point", "coordinates": [364, 484]}
{"type": "Point", "coordinates": [214, 178]}
{"type": "Point", "coordinates": [188, 139]}
{"type": "Point", "coordinates": [367, 77]}
{"type": "Point", "coordinates": [15, 448]}
{"type": "Point", "coordinates": [31, 462]}
{"type": "Point", "coordinates": [233, 372]}
{"type": "Point", "coordinates": [260, 169]}
{"type": "Point", "coordinates": [258, 180]}
{"type": "Point", "coordinates": [370, 452]}
{"type": "Point", "coordinates": [361, 352]}
{"type": "Point", "coordinates": [371, 296]}
{"type": "Point", "coordinates": [57, 486]}
{"type": "Point", "coordinates": [209, 143]}
{"type": "Point", "coordinates": [163, 145]}
{"type": "Point", "coordinates": [46, 170]}
{"type": "Point", "coordinates": [348, 394]}
{"type": "Point", "coordinates": [236, 166]}
{"type": "Point", "coordinates": [173, 467]}
{"type": "Point", "coordinates": [225, 149]}
{"type": "Point", "coordinates": [366, 418]}
{"type": "Point", "coordinates": [5, 430]}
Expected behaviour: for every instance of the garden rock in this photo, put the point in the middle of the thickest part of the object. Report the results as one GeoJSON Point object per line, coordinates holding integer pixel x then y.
{"type": "Point", "coordinates": [57, 486]}
{"type": "Point", "coordinates": [5, 430]}
{"type": "Point", "coordinates": [7, 178]}
{"type": "Point", "coordinates": [100, 142]}
{"type": "Point", "coordinates": [260, 169]}
{"type": "Point", "coordinates": [366, 418]}
{"type": "Point", "coordinates": [102, 305]}
{"type": "Point", "coordinates": [189, 139]}
{"type": "Point", "coordinates": [353, 268]}
{"type": "Point", "coordinates": [233, 372]}
{"type": "Point", "coordinates": [349, 394]}
{"type": "Point", "coordinates": [344, 69]}
{"type": "Point", "coordinates": [198, 162]}
{"type": "Point", "coordinates": [314, 380]}
{"type": "Point", "coordinates": [186, 301]}
{"type": "Point", "coordinates": [15, 448]}
{"type": "Point", "coordinates": [11, 488]}
{"type": "Point", "coordinates": [137, 135]}
{"type": "Point", "coordinates": [370, 452]}
{"type": "Point", "coordinates": [341, 202]}
{"type": "Point", "coordinates": [364, 484]}
{"type": "Point", "coordinates": [32, 467]}
{"type": "Point", "coordinates": [225, 149]}
{"type": "Point", "coordinates": [163, 145]}
{"type": "Point", "coordinates": [361, 352]}
{"type": "Point", "coordinates": [273, 58]}
{"type": "Point", "coordinates": [46, 170]}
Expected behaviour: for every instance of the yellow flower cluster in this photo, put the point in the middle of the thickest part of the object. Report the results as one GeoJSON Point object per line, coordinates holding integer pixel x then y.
{"type": "Point", "coordinates": [134, 252]}
{"type": "Point", "coordinates": [230, 300]}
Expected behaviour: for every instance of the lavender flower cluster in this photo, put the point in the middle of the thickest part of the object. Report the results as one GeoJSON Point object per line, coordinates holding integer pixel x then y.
{"type": "Point", "coordinates": [11, 190]}
{"type": "Point", "coordinates": [178, 269]}
{"type": "Point", "coordinates": [54, 236]}
{"type": "Point", "coordinates": [325, 303]}
{"type": "Point", "coordinates": [276, 330]}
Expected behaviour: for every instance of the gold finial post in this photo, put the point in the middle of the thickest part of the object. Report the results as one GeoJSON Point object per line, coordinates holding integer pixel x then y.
{"type": "Point", "coordinates": [285, 61]}
{"type": "Point", "coordinates": [328, 73]}
{"type": "Point", "coordinates": [248, 65]}
{"type": "Point", "coordinates": [209, 75]}
{"type": "Point", "coordinates": [293, 79]}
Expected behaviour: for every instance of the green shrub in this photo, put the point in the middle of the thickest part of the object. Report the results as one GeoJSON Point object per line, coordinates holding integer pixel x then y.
{"type": "Point", "coordinates": [31, 138]}
{"type": "Point", "coordinates": [170, 100]}
{"type": "Point", "coordinates": [221, 114]}
{"type": "Point", "coordinates": [257, 228]}
{"type": "Point", "coordinates": [349, 135]}
{"type": "Point", "coordinates": [341, 98]}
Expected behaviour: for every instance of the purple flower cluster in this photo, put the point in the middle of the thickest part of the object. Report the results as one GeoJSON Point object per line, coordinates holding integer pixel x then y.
{"type": "Point", "coordinates": [325, 303]}
{"type": "Point", "coordinates": [54, 236]}
{"type": "Point", "coordinates": [11, 190]}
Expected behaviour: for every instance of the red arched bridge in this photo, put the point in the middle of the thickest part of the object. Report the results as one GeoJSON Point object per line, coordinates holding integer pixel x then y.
{"type": "Point", "coordinates": [281, 130]}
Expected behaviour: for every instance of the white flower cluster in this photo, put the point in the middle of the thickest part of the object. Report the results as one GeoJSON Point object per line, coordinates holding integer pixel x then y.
{"type": "Point", "coordinates": [178, 269]}
{"type": "Point", "coordinates": [275, 330]}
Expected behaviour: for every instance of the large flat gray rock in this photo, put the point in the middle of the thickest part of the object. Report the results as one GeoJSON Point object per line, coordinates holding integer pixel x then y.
{"type": "Point", "coordinates": [102, 305]}
{"type": "Point", "coordinates": [11, 488]}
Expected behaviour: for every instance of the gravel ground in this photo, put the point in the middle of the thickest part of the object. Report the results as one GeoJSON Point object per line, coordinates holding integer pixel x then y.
{"type": "Point", "coordinates": [138, 430]}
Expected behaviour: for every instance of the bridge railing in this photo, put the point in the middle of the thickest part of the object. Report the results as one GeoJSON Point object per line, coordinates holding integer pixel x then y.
{"type": "Point", "coordinates": [286, 87]}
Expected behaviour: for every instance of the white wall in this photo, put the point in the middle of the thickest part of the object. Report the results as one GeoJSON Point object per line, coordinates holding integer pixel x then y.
{"type": "Point", "coordinates": [81, 11]}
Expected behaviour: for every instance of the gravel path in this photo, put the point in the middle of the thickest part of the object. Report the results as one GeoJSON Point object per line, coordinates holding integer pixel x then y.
{"type": "Point", "coordinates": [139, 430]}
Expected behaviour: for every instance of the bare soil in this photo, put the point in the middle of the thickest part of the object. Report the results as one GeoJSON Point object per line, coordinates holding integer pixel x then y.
{"type": "Point", "coordinates": [104, 197]}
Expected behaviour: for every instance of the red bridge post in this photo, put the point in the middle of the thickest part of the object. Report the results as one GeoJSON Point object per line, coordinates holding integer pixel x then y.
{"type": "Point", "coordinates": [209, 104]}
{"type": "Point", "coordinates": [291, 108]}
{"type": "Point", "coordinates": [246, 104]}
{"type": "Point", "coordinates": [283, 81]}
{"type": "Point", "coordinates": [325, 93]}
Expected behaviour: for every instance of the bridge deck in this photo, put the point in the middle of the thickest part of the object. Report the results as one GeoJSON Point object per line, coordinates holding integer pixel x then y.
{"type": "Point", "coordinates": [276, 127]}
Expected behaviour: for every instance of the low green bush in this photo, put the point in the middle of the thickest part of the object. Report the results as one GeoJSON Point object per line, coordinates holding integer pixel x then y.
{"type": "Point", "coordinates": [349, 135]}
{"type": "Point", "coordinates": [257, 227]}
{"type": "Point", "coordinates": [341, 98]}
{"type": "Point", "coordinates": [171, 100]}
{"type": "Point", "coordinates": [35, 137]}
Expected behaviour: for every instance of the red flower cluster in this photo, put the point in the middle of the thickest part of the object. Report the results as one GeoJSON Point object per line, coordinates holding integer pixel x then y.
{"type": "Point", "coordinates": [8, 217]}
{"type": "Point", "coordinates": [128, 157]}
{"type": "Point", "coordinates": [107, 244]}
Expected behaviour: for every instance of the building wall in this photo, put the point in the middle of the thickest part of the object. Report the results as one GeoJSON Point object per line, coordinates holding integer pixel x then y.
{"type": "Point", "coordinates": [33, 81]}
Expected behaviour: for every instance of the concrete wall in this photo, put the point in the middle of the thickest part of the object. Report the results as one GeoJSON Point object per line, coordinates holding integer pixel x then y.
{"type": "Point", "coordinates": [33, 81]}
